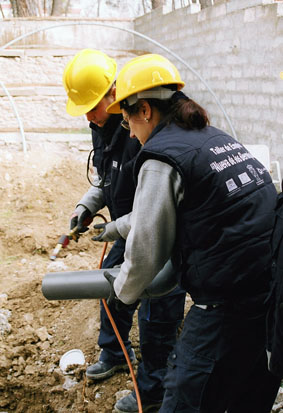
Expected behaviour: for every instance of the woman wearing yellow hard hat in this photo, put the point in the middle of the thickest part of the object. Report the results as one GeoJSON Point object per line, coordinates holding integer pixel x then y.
{"type": "Point", "coordinates": [205, 202]}
{"type": "Point", "coordinates": [89, 81]}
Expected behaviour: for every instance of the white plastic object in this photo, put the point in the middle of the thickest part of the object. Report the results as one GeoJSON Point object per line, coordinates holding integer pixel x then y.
{"type": "Point", "coordinates": [74, 356]}
{"type": "Point", "coordinates": [261, 152]}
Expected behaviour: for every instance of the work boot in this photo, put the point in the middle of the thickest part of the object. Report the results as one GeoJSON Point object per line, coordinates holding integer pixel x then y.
{"type": "Point", "coordinates": [128, 404]}
{"type": "Point", "coordinates": [104, 369]}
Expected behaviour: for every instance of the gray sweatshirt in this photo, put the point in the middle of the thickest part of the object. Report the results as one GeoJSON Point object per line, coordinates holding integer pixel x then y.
{"type": "Point", "coordinates": [150, 229]}
{"type": "Point", "coordinates": [93, 199]}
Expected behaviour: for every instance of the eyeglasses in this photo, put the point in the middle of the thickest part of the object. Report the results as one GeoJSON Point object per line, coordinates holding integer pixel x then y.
{"type": "Point", "coordinates": [125, 124]}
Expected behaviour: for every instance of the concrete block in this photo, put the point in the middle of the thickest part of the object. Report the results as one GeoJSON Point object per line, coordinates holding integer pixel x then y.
{"type": "Point", "coordinates": [11, 53]}
{"type": "Point", "coordinates": [279, 10]}
{"type": "Point", "coordinates": [237, 99]}
{"type": "Point", "coordinates": [244, 85]}
{"type": "Point", "coordinates": [250, 99]}
{"type": "Point", "coordinates": [193, 8]}
{"type": "Point", "coordinates": [249, 15]}
{"type": "Point", "coordinates": [37, 52]}
{"type": "Point", "coordinates": [35, 91]}
{"type": "Point", "coordinates": [278, 41]}
{"type": "Point", "coordinates": [215, 11]}
{"type": "Point", "coordinates": [268, 87]}
{"type": "Point", "coordinates": [202, 15]}
{"type": "Point", "coordinates": [219, 10]}
{"type": "Point", "coordinates": [279, 26]}
{"type": "Point", "coordinates": [276, 101]}
{"type": "Point", "coordinates": [236, 5]}
{"type": "Point", "coordinates": [263, 100]}
{"type": "Point", "coordinates": [262, 12]}
{"type": "Point", "coordinates": [231, 85]}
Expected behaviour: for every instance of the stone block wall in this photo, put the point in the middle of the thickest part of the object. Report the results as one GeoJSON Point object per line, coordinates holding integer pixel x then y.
{"type": "Point", "coordinates": [31, 69]}
{"type": "Point", "coordinates": [235, 49]}
{"type": "Point", "coordinates": [232, 53]}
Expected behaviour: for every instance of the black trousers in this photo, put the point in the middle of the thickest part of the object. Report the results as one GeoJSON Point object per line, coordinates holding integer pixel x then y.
{"type": "Point", "coordinates": [220, 363]}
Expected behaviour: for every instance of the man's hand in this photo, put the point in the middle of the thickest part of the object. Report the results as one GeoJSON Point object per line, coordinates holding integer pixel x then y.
{"type": "Point", "coordinates": [109, 232]}
{"type": "Point", "coordinates": [81, 218]}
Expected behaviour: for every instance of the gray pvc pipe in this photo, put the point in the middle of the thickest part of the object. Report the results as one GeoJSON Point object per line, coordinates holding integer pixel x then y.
{"type": "Point", "coordinates": [92, 284]}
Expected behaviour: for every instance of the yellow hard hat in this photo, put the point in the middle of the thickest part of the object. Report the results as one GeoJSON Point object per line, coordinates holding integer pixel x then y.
{"type": "Point", "coordinates": [143, 73]}
{"type": "Point", "coordinates": [87, 78]}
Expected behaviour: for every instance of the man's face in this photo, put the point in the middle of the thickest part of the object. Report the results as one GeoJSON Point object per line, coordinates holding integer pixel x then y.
{"type": "Point", "coordinates": [98, 114]}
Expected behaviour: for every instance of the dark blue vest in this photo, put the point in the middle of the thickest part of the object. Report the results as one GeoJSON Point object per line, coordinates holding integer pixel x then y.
{"type": "Point", "coordinates": [114, 153]}
{"type": "Point", "coordinates": [224, 223]}
{"type": "Point", "coordinates": [275, 319]}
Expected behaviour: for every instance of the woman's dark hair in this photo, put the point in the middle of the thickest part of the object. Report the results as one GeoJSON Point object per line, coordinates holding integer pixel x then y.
{"type": "Point", "coordinates": [179, 109]}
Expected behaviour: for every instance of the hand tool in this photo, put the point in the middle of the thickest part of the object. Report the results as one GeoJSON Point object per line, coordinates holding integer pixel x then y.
{"type": "Point", "coordinates": [63, 242]}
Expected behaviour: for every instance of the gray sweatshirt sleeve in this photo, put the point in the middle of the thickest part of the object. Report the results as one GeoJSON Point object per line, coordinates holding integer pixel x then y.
{"type": "Point", "coordinates": [123, 225]}
{"type": "Point", "coordinates": [93, 200]}
{"type": "Point", "coordinates": [152, 228]}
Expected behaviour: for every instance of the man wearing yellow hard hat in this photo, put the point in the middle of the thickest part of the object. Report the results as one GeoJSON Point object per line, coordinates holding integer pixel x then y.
{"type": "Point", "coordinates": [89, 80]}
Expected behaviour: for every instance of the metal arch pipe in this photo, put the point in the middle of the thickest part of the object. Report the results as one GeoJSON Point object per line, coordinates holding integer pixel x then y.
{"type": "Point", "coordinates": [79, 285]}
{"type": "Point", "coordinates": [143, 37]}
{"type": "Point", "coordinates": [17, 116]}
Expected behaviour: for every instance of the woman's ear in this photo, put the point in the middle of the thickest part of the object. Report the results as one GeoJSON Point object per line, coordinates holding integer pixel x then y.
{"type": "Point", "coordinates": [146, 109]}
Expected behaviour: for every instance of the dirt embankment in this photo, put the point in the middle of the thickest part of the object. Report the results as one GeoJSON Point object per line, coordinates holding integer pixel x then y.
{"type": "Point", "coordinates": [38, 194]}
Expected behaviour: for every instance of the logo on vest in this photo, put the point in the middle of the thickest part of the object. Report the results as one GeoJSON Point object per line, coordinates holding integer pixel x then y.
{"type": "Point", "coordinates": [231, 185]}
{"type": "Point", "coordinates": [252, 170]}
{"type": "Point", "coordinates": [244, 178]}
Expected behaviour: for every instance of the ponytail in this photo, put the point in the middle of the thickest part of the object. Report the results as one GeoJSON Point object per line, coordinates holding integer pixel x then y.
{"type": "Point", "coordinates": [180, 109]}
{"type": "Point", "coordinates": [188, 114]}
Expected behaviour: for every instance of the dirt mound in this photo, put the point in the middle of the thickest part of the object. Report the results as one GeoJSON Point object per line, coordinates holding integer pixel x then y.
{"type": "Point", "coordinates": [38, 193]}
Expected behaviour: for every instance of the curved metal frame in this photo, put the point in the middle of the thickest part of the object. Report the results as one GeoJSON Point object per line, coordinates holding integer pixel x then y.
{"type": "Point", "coordinates": [17, 115]}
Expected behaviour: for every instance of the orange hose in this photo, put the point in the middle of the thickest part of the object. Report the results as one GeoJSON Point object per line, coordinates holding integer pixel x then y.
{"type": "Point", "coordinates": [117, 331]}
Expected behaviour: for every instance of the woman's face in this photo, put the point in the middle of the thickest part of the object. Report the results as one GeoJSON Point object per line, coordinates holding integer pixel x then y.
{"type": "Point", "coordinates": [98, 114]}
{"type": "Point", "coordinates": [139, 124]}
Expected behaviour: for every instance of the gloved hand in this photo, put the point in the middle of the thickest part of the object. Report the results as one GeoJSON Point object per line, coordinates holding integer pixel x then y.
{"type": "Point", "coordinates": [113, 301]}
{"type": "Point", "coordinates": [81, 218]}
{"type": "Point", "coordinates": [109, 233]}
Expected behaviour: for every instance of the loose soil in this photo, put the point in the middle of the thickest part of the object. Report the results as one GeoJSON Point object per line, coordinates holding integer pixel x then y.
{"type": "Point", "coordinates": [38, 193]}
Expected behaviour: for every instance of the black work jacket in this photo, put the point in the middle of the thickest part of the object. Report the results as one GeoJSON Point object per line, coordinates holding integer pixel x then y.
{"type": "Point", "coordinates": [114, 153]}
{"type": "Point", "coordinates": [224, 222]}
{"type": "Point", "coordinates": [275, 318]}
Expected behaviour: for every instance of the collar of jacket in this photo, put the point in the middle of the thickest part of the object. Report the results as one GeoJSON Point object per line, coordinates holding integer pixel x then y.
{"type": "Point", "coordinates": [109, 129]}
{"type": "Point", "coordinates": [157, 128]}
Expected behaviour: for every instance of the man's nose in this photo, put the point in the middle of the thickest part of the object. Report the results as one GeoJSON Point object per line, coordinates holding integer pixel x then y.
{"type": "Point", "coordinates": [89, 116]}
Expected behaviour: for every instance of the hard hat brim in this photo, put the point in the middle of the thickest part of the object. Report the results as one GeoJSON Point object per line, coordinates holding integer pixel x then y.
{"type": "Point", "coordinates": [79, 110]}
{"type": "Point", "coordinates": [114, 108]}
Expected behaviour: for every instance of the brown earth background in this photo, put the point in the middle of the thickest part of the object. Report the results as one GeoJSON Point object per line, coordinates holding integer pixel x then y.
{"type": "Point", "coordinates": [38, 193]}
